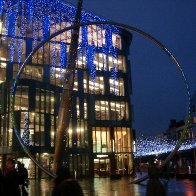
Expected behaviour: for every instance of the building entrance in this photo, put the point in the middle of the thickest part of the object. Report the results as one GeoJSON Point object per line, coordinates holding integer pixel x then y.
{"type": "Point", "coordinates": [101, 167]}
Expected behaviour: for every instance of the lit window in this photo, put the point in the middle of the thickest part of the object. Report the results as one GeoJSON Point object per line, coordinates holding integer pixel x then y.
{"type": "Point", "coordinates": [194, 119]}
{"type": "Point", "coordinates": [3, 66]}
{"type": "Point", "coordinates": [116, 41]}
{"type": "Point", "coordinates": [21, 98]}
{"type": "Point", "coordinates": [117, 86]}
{"type": "Point", "coordinates": [100, 61]}
{"type": "Point", "coordinates": [101, 110]}
{"type": "Point", "coordinates": [0, 26]}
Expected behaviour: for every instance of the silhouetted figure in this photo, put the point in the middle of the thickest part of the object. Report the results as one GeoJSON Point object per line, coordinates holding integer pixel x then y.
{"type": "Point", "coordinates": [23, 177]}
{"type": "Point", "coordinates": [140, 169]}
{"type": "Point", "coordinates": [126, 169]}
{"type": "Point", "coordinates": [165, 173]}
{"type": "Point", "coordinates": [65, 186]}
{"type": "Point", "coordinates": [1, 182]}
{"type": "Point", "coordinates": [10, 180]}
{"type": "Point", "coordinates": [154, 186]}
{"type": "Point", "coordinates": [133, 173]}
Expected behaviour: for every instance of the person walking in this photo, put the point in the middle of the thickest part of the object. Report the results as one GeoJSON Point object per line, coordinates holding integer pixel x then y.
{"type": "Point", "coordinates": [23, 177]}
{"type": "Point", "coordinates": [10, 180]}
{"type": "Point", "coordinates": [65, 186]}
{"type": "Point", "coordinates": [154, 185]}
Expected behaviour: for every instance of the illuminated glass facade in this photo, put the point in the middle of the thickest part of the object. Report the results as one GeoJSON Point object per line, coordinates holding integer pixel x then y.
{"type": "Point", "coordinates": [100, 132]}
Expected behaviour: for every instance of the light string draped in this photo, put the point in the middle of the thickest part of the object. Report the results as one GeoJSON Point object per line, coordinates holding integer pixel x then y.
{"type": "Point", "coordinates": [22, 30]}
{"type": "Point", "coordinates": [90, 62]}
{"type": "Point", "coordinates": [6, 18]}
{"type": "Point", "coordinates": [2, 6]}
{"type": "Point", "coordinates": [53, 44]}
{"type": "Point", "coordinates": [13, 18]}
{"type": "Point", "coordinates": [151, 145]}
{"type": "Point", "coordinates": [41, 15]}
{"type": "Point", "coordinates": [112, 51]}
{"type": "Point", "coordinates": [26, 133]}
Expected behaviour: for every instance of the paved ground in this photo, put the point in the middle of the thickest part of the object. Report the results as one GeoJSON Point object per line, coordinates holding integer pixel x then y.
{"type": "Point", "coordinates": [107, 187]}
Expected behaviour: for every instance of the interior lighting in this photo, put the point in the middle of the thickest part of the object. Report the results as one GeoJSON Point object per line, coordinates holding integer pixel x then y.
{"type": "Point", "coordinates": [102, 155]}
{"type": "Point", "coordinates": [42, 16]}
{"type": "Point", "coordinates": [3, 65]}
{"type": "Point", "coordinates": [0, 26]}
{"type": "Point", "coordinates": [70, 131]}
{"type": "Point", "coordinates": [78, 130]}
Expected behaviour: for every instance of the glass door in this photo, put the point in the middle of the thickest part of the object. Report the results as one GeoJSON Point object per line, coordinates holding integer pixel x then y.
{"type": "Point", "coordinates": [101, 167]}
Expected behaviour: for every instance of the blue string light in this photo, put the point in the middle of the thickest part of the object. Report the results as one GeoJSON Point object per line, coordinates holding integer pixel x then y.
{"type": "Point", "coordinates": [54, 55]}
{"type": "Point", "coordinates": [54, 58]}
{"type": "Point", "coordinates": [13, 26]}
{"type": "Point", "coordinates": [46, 26]}
{"type": "Point", "coordinates": [90, 61]}
{"type": "Point", "coordinates": [2, 3]}
{"type": "Point", "coordinates": [150, 145]}
{"type": "Point", "coordinates": [35, 23]}
{"type": "Point", "coordinates": [22, 30]}
{"type": "Point", "coordinates": [84, 36]}
{"type": "Point", "coordinates": [63, 58]}
{"type": "Point", "coordinates": [6, 19]}
{"type": "Point", "coordinates": [30, 10]}
{"type": "Point", "coordinates": [112, 51]}
{"type": "Point", "coordinates": [40, 15]}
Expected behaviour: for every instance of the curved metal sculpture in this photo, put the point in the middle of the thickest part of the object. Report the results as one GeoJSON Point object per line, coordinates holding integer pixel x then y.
{"type": "Point", "coordinates": [127, 27]}
{"type": "Point", "coordinates": [64, 113]}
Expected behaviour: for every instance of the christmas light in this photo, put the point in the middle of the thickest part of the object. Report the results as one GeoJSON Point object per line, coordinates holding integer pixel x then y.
{"type": "Point", "coordinates": [26, 132]}
{"type": "Point", "coordinates": [2, 6]}
{"type": "Point", "coordinates": [90, 61]}
{"type": "Point", "coordinates": [63, 58]}
{"type": "Point", "coordinates": [6, 19]}
{"type": "Point", "coordinates": [13, 27]}
{"type": "Point", "coordinates": [155, 145]}
{"type": "Point", "coordinates": [38, 17]}
{"type": "Point", "coordinates": [22, 30]}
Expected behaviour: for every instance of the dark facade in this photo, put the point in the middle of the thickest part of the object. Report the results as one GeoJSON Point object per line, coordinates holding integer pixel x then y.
{"type": "Point", "coordinates": [99, 139]}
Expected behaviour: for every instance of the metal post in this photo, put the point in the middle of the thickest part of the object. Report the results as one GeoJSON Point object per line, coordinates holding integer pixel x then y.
{"type": "Point", "coordinates": [66, 98]}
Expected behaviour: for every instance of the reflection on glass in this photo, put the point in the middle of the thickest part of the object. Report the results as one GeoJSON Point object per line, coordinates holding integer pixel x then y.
{"type": "Point", "coordinates": [117, 87]}
{"type": "Point", "coordinates": [101, 110]}
{"type": "Point", "coordinates": [29, 72]}
{"type": "Point", "coordinates": [105, 110]}
{"type": "Point", "coordinates": [3, 66]}
{"type": "Point", "coordinates": [22, 98]}
{"type": "Point", "coordinates": [101, 139]}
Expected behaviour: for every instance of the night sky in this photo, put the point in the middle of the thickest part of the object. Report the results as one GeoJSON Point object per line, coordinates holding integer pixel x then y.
{"type": "Point", "coordinates": [158, 90]}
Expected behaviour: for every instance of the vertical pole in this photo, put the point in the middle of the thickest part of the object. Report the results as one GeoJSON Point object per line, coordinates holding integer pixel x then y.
{"type": "Point", "coordinates": [66, 97]}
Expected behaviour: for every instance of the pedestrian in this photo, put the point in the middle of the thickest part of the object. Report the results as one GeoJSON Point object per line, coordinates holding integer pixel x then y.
{"type": "Point", "coordinates": [1, 181]}
{"type": "Point", "coordinates": [65, 185]}
{"type": "Point", "coordinates": [165, 173]}
{"type": "Point", "coordinates": [23, 177]}
{"type": "Point", "coordinates": [154, 185]}
{"type": "Point", "coordinates": [133, 173]}
{"type": "Point", "coordinates": [10, 180]}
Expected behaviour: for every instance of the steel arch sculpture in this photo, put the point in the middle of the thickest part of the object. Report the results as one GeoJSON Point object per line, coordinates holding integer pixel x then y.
{"type": "Point", "coordinates": [124, 26]}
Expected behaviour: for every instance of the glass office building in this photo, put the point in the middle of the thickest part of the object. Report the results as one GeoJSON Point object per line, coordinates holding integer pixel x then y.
{"type": "Point", "coordinates": [100, 131]}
